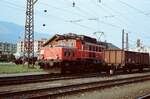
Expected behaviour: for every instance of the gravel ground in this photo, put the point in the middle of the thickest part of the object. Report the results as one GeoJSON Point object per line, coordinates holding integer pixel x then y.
{"type": "Point", "coordinates": [57, 83]}
{"type": "Point", "coordinates": [131, 91]}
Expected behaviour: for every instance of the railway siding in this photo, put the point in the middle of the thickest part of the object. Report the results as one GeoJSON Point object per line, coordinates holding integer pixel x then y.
{"type": "Point", "coordinates": [59, 87]}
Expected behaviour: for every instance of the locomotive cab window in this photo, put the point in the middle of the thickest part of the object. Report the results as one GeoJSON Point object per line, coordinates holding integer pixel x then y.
{"type": "Point", "coordinates": [100, 49]}
{"type": "Point", "coordinates": [65, 53]}
{"type": "Point", "coordinates": [96, 48]}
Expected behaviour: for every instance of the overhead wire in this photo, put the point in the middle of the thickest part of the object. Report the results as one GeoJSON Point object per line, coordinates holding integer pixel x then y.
{"type": "Point", "coordinates": [108, 11]}
{"type": "Point", "coordinates": [117, 12]}
{"type": "Point", "coordinates": [58, 17]}
{"type": "Point", "coordinates": [103, 21]}
{"type": "Point", "coordinates": [142, 12]}
{"type": "Point", "coordinates": [78, 8]}
{"type": "Point", "coordinates": [20, 7]}
{"type": "Point", "coordinates": [85, 12]}
{"type": "Point", "coordinates": [61, 9]}
{"type": "Point", "coordinates": [138, 10]}
{"type": "Point", "coordinates": [116, 26]}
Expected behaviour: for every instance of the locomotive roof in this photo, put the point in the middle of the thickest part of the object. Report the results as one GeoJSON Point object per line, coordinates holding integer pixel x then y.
{"type": "Point", "coordinates": [71, 36]}
{"type": "Point", "coordinates": [81, 37]}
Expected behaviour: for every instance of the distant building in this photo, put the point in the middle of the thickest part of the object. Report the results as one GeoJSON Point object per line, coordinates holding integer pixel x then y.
{"type": "Point", "coordinates": [6, 51]}
{"type": "Point", "coordinates": [143, 49]}
{"type": "Point", "coordinates": [37, 46]}
{"type": "Point", "coordinates": [7, 48]}
{"type": "Point", "coordinates": [140, 48]}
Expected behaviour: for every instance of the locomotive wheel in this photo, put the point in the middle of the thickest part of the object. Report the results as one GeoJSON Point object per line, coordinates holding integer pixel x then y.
{"type": "Point", "coordinates": [130, 70]}
{"type": "Point", "coordinates": [51, 64]}
{"type": "Point", "coordinates": [141, 69]}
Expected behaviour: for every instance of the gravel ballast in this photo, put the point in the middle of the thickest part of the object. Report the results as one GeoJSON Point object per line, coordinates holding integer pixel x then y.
{"type": "Point", "coordinates": [130, 91]}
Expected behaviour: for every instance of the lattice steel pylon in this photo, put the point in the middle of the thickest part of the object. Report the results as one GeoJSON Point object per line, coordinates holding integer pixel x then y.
{"type": "Point", "coordinates": [29, 32]}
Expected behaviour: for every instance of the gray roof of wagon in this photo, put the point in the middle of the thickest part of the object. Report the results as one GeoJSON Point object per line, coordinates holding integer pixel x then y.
{"type": "Point", "coordinates": [112, 46]}
{"type": "Point", "coordinates": [109, 45]}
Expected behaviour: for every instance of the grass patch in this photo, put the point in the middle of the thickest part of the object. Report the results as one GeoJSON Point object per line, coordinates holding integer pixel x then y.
{"type": "Point", "coordinates": [8, 69]}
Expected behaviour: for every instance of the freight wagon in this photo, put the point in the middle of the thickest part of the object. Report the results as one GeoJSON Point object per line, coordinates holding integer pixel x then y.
{"type": "Point", "coordinates": [125, 60]}
{"type": "Point", "coordinates": [79, 54]}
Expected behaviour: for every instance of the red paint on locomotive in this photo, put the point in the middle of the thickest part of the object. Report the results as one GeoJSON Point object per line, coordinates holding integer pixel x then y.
{"type": "Point", "coordinates": [83, 53]}
{"type": "Point", "coordinates": [78, 49]}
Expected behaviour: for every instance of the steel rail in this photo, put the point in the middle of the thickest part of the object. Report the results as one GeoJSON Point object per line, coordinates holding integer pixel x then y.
{"type": "Point", "coordinates": [147, 96]}
{"type": "Point", "coordinates": [40, 78]}
{"type": "Point", "coordinates": [70, 88]}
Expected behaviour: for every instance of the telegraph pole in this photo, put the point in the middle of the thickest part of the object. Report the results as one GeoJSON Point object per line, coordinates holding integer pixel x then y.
{"type": "Point", "coordinates": [127, 41]}
{"type": "Point", "coordinates": [29, 32]}
{"type": "Point", "coordinates": [123, 39]}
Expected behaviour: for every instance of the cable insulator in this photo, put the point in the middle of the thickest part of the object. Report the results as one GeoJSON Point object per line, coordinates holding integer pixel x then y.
{"type": "Point", "coordinates": [73, 4]}
{"type": "Point", "coordinates": [45, 10]}
{"type": "Point", "coordinates": [44, 24]}
{"type": "Point", "coordinates": [99, 1]}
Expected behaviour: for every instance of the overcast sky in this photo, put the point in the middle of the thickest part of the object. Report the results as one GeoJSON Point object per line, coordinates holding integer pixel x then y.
{"type": "Point", "coordinates": [87, 17]}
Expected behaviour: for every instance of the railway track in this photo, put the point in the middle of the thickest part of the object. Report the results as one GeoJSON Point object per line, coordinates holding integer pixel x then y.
{"type": "Point", "coordinates": [40, 78]}
{"type": "Point", "coordinates": [144, 97]}
{"type": "Point", "coordinates": [70, 88]}
{"type": "Point", "coordinates": [47, 77]}
{"type": "Point", "coordinates": [22, 79]}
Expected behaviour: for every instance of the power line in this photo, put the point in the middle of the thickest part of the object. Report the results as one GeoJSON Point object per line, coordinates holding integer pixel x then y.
{"type": "Point", "coordinates": [115, 11]}
{"type": "Point", "coordinates": [130, 6]}
{"type": "Point", "coordinates": [83, 13]}
{"type": "Point", "coordinates": [20, 8]}
{"type": "Point", "coordinates": [74, 22]}
{"type": "Point", "coordinates": [110, 16]}
{"type": "Point", "coordinates": [60, 9]}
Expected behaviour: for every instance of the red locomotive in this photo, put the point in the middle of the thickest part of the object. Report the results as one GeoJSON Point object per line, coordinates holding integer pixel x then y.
{"type": "Point", "coordinates": [71, 53]}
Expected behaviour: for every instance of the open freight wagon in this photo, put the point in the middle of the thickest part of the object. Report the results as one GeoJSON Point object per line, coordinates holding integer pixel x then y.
{"type": "Point", "coordinates": [124, 60]}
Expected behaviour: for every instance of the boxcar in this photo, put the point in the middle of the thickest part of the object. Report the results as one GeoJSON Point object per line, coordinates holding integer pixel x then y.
{"type": "Point", "coordinates": [126, 60]}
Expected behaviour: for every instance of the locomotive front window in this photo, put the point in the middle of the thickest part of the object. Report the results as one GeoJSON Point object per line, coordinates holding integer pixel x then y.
{"type": "Point", "coordinates": [69, 53]}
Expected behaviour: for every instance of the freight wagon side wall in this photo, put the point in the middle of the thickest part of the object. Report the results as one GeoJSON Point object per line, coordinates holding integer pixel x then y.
{"type": "Point", "coordinates": [136, 58]}
{"type": "Point", "coordinates": [145, 58]}
{"type": "Point", "coordinates": [113, 57]}
{"type": "Point", "coordinates": [119, 59]}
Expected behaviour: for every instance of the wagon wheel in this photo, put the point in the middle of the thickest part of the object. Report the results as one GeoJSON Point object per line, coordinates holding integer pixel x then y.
{"type": "Point", "coordinates": [125, 70]}
{"type": "Point", "coordinates": [112, 71]}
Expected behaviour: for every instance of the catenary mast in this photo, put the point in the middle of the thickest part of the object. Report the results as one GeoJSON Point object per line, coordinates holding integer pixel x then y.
{"type": "Point", "coordinates": [29, 32]}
